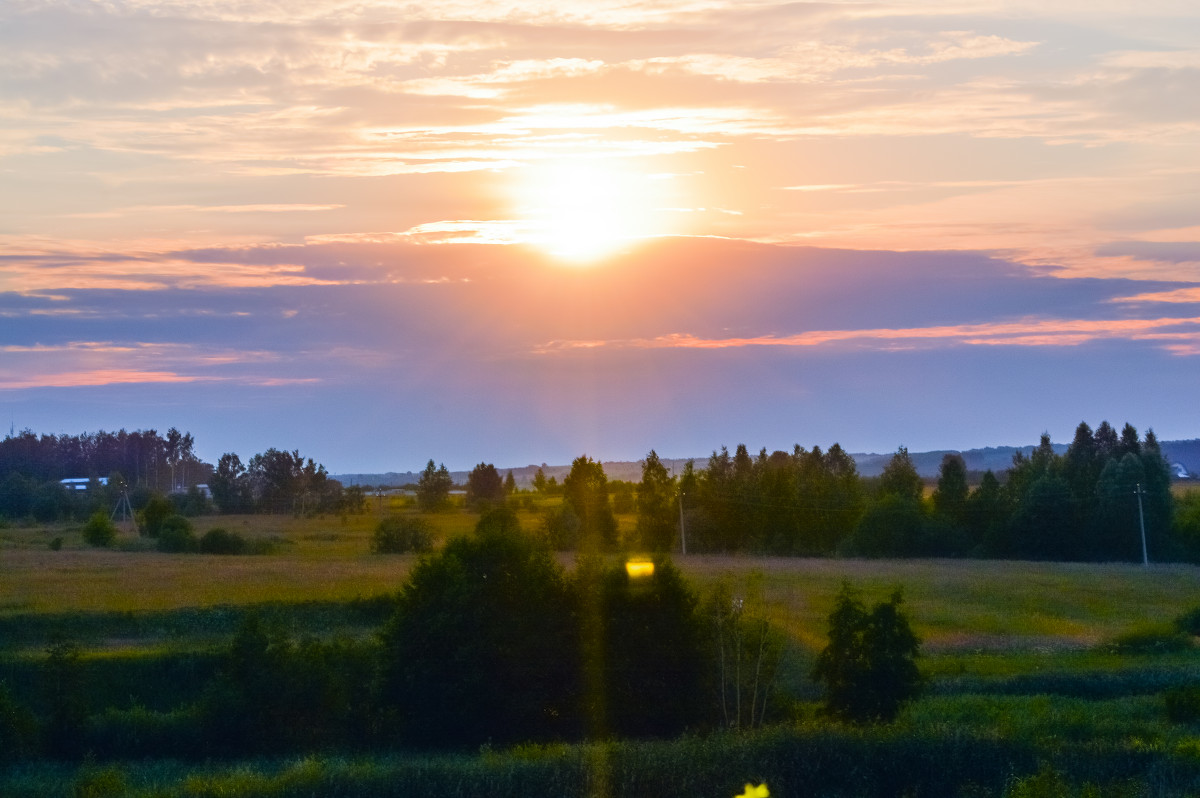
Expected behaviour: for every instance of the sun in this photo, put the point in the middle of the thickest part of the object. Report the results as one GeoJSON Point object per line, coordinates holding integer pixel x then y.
{"type": "Point", "coordinates": [584, 209]}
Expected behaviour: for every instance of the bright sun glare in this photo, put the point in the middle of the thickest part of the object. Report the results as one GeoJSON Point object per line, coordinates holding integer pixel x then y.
{"type": "Point", "coordinates": [583, 210]}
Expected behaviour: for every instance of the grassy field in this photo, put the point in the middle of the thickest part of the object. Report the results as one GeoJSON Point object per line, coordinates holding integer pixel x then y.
{"type": "Point", "coordinates": [1019, 654]}
{"type": "Point", "coordinates": [956, 605]}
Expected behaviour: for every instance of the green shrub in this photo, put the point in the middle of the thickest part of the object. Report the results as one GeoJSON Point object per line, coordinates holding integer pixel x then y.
{"type": "Point", "coordinates": [175, 535]}
{"type": "Point", "coordinates": [868, 668]}
{"type": "Point", "coordinates": [151, 517]}
{"type": "Point", "coordinates": [99, 530]}
{"type": "Point", "coordinates": [56, 544]}
{"type": "Point", "coordinates": [106, 782]}
{"type": "Point", "coordinates": [1189, 622]}
{"type": "Point", "coordinates": [1150, 640]}
{"type": "Point", "coordinates": [402, 535]}
{"type": "Point", "coordinates": [219, 541]}
{"type": "Point", "coordinates": [18, 729]}
{"type": "Point", "coordinates": [1183, 704]}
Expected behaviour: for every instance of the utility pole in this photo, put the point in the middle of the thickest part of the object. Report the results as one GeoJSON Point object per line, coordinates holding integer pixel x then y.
{"type": "Point", "coordinates": [1142, 523]}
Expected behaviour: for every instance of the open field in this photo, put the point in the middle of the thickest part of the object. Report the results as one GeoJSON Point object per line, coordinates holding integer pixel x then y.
{"type": "Point", "coordinates": [1018, 656]}
{"type": "Point", "coordinates": [959, 607]}
{"type": "Point", "coordinates": [962, 605]}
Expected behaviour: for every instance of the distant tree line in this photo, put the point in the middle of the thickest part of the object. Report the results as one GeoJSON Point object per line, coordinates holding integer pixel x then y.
{"type": "Point", "coordinates": [145, 465]}
{"type": "Point", "coordinates": [278, 481]}
{"type": "Point", "coordinates": [1087, 504]}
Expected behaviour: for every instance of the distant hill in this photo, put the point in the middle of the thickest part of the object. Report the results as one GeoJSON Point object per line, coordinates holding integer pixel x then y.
{"type": "Point", "coordinates": [995, 458]}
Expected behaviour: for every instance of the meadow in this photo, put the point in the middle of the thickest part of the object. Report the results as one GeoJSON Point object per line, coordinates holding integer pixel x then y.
{"type": "Point", "coordinates": [1060, 667]}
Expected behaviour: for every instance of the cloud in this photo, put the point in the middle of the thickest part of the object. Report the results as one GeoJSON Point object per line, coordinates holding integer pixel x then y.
{"type": "Point", "coordinates": [1030, 332]}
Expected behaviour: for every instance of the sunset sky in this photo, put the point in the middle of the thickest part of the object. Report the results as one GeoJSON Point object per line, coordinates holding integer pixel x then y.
{"type": "Point", "coordinates": [516, 232]}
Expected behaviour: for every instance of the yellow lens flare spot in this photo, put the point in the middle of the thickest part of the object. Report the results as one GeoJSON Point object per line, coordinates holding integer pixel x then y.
{"type": "Point", "coordinates": [754, 792]}
{"type": "Point", "coordinates": [639, 569]}
{"type": "Point", "coordinates": [584, 210]}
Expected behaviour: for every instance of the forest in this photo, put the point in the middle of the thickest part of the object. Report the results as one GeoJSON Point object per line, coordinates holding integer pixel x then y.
{"type": "Point", "coordinates": [1091, 503]}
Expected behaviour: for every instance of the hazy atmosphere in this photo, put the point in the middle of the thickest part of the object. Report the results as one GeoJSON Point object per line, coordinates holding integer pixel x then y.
{"type": "Point", "coordinates": [518, 231]}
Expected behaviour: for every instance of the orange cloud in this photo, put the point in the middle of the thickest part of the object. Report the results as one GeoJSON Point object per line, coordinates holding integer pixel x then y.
{"type": "Point", "coordinates": [1051, 332]}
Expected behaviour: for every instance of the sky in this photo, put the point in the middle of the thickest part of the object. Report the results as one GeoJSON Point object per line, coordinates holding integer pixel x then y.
{"type": "Point", "coordinates": [518, 232]}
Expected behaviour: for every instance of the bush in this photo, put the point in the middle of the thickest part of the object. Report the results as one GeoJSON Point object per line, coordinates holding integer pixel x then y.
{"type": "Point", "coordinates": [868, 668]}
{"type": "Point", "coordinates": [99, 530]}
{"type": "Point", "coordinates": [218, 541]}
{"type": "Point", "coordinates": [106, 782]}
{"type": "Point", "coordinates": [1149, 640]}
{"type": "Point", "coordinates": [18, 729]}
{"type": "Point", "coordinates": [56, 544]}
{"type": "Point", "coordinates": [175, 535]}
{"type": "Point", "coordinates": [1183, 704]}
{"type": "Point", "coordinates": [151, 517]}
{"type": "Point", "coordinates": [1189, 622]}
{"type": "Point", "coordinates": [402, 535]}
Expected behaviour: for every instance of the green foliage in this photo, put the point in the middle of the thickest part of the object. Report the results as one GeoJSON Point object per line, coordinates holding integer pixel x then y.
{"type": "Point", "coordinates": [99, 530]}
{"type": "Point", "coordinates": [749, 651]}
{"type": "Point", "coordinates": [1046, 783]}
{"type": "Point", "coordinates": [1151, 640]}
{"type": "Point", "coordinates": [402, 535]}
{"type": "Point", "coordinates": [155, 512]}
{"type": "Point", "coordinates": [230, 485]}
{"type": "Point", "coordinates": [277, 695]}
{"type": "Point", "coordinates": [433, 488]}
{"type": "Point", "coordinates": [657, 520]}
{"type": "Point", "coordinates": [56, 544]}
{"type": "Point", "coordinates": [560, 528]}
{"type": "Point", "coordinates": [893, 526]}
{"type": "Point", "coordinates": [175, 535]}
{"type": "Point", "coordinates": [950, 496]}
{"type": "Point", "coordinates": [191, 503]}
{"type": "Point", "coordinates": [869, 667]}
{"type": "Point", "coordinates": [585, 489]}
{"type": "Point", "coordinates": [1189, 622]}
{"type": "Point", "coordinates": [482, 646]}
{"type": "Point", "coordinates": [220, 541]}
{"type": "Point", "coordinates": [485, 487]}
{"type": "Point", "coordinates": [18, 729]}
{"type": "Point", "coordinates": [647, 659]}
{"type": "Point", "coordinates": [900, 478]}
{"type": "Point", "coordinates": [1183, 704]}
{"type": "Point", "coordinates": [107, 782]}
{"type": "Point", "coordinates": [66, 706]}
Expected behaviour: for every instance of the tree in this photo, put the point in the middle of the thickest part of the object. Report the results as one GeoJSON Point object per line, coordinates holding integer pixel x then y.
{"type": "Point", "coordinates": [510, 483]}
{"type": "Point", "coordinates": [648, 645]}
{"type": "Point", "coordinates": [539, 481]}
{"type": "Point", "coordinates": [433, 488]}
{"type": "Point", "coordinates": [900, 477]}
{"type": "Point", "coordinates": [484, 486]}
{"type": "Point", "coordinates": [586, 490]}
{"type": "Point", "coordinates": [230, 485]}
{"type": "Point", "coordinates": [656, 516]}
{"type": "Point", "coordinates": [869, 668]}
{"type": "Point", "coordinates": [482, 646]}
{"type": "Point", "coordinates": [748, 653]}
{"type": "Point", "coordinates": [950, 496]}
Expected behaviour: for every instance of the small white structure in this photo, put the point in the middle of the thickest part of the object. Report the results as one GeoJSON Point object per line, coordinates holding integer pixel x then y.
{"type": "Point", "coordinates": [81, 483]}
{"type": "Point", "coordinates": [1180, 471]}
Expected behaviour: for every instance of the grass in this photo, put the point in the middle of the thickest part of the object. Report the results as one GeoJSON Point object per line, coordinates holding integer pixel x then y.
{"type": "Point", "coordinates": [956, 605]}
{"type": "Point", "coordinates": [1025, 661]}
